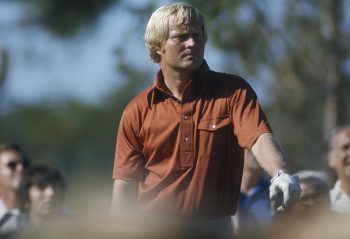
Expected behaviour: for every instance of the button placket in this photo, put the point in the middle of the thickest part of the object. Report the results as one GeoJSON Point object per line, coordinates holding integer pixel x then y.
{"type": "Point", "coordinates": [186, 134]}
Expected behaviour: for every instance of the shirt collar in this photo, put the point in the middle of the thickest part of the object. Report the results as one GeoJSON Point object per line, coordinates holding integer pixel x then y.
{"type": "Point", "coordinates": [337, 192]}
{"type": "Point", "coordinates": [203, 77]}
{"type": "Point", "coordinates": [4, 210]}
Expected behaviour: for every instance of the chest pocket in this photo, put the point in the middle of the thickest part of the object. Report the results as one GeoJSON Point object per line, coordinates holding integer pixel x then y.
{"type": "Point", "coordinates": [214, 136]}
{"type": "Point", "coordinates": [214, 124]}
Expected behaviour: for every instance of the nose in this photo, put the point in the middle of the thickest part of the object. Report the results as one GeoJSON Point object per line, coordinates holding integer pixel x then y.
{"type": "Point", "coordinates": [348, 151]}
{"type": "Point", "coordinates": [19, 167]}
{"type": "Point", "coordinates": [49, 191]}
{"type": "Point", "coordinates": [190, 42]}
{"type": "Point", "coordinates": [309, 203]}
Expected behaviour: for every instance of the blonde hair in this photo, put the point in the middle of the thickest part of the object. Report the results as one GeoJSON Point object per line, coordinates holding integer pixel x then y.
{"type": "Point", "coordinates": [157, 31]}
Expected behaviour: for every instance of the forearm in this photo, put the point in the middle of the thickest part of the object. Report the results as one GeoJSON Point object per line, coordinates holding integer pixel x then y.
{"type": "Point", "coordinates": [124, 196]}
{"type": "Point", "coordinates": [269, 154]}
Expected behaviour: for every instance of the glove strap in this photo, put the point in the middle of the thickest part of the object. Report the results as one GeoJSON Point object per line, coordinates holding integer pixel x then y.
{"type": "Point", "coordinates": [279, 173]}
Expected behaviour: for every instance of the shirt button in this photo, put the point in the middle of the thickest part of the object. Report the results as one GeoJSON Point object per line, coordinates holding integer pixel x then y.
{"type": "Point", "coordinates": [186, 117]}
{"type": "Point", "coordinates": [187, 139]}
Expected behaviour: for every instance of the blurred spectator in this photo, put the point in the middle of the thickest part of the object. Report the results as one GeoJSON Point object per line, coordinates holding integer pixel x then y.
{"type": "Point", "coordinates": [12, 164]}
{"type": "Point", "coordinates": [42, 193]}
{"type": "Point", "coordinates": [311, 211]}
{"type": "Point", "coordinates": [314, 195]}
{"type": "Point", "coordinates": [254, 202]}
{"type": "Point", "coordinates": [339, 161]}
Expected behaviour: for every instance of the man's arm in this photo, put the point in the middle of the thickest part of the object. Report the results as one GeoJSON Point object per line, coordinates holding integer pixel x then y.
{"type": "Point", "coordinates": [124, 196]}
{"type": "Point", "coordinates": [269, 154]}
{"type": "Point", "coordinates": [272, 159]}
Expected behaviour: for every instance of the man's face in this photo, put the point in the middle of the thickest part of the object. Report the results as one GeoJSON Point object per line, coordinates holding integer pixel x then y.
{"type": "Point", "coordinates": [183, 51]}
{"type": "Point", "coordinates": [45, 200]}
{"type": "Point", "coordinates": [11, 168]}
{"type": "Point", "coordinates": [339, 158]}
{"type": "Point", "coordinates": [310, 198]}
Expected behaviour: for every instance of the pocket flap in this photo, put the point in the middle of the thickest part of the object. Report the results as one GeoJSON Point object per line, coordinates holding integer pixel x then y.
{"type": "Point", "coordinates": [213, 124]}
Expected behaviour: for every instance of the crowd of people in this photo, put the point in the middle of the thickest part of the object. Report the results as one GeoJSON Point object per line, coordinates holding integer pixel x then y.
{"type": "Point", "coordinates": [33, 195]}
{"type": "Point", "coordinates": [30, 195]}
{"type": "Point", "coordinates": [320, 197]}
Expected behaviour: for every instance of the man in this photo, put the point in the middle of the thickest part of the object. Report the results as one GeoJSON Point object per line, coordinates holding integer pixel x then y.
{"type": "Point", "coordinates": [254, 211]}
{"type": "Point", "coordinates": [180, 143]}
{"type": "Point", "coordinates": [42, 194]}
{"type": "Point", "coordinates": [314, 197]}
{"type": "Point", "coordinates": [339, 161]}
{"type": "Point", "coordinates": [310, 216]}
{"type": "Point", "coordinates": [12, 164]}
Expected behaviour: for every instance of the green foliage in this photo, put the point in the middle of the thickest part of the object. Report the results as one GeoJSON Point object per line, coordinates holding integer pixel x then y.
{"type": "Point", "coordinates": [67, 17]}
{"type": "Point", "coordinates": [303, 45]}
{"type": "Point", "coordinates": [77, 138]}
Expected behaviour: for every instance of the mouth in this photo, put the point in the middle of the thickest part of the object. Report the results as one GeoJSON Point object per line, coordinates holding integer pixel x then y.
{"type": "Point", "coordinates": [50, 207]}
{"type": "Point", "coordinates": [190, 54]}
{"type": "Point", "coordinates": [346, 166]}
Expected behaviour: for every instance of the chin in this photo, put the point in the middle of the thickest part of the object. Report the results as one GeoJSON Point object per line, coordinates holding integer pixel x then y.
{"type": "Point", "coordinates": [193, 65]}
{"type": "Point", "coordinates": [15, 185]}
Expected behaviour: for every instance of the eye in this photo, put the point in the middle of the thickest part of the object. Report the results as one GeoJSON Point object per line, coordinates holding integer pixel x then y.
{"type": "Point", "coordinates": [197, 36]}
{"type": "Point", "coordinates": [182, 37]}
{"type": "Point", "coordinates": [345, 147]}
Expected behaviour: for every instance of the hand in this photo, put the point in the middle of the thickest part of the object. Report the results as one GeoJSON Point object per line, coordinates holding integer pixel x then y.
{"type": "Point", "coordinates": [288, 186]}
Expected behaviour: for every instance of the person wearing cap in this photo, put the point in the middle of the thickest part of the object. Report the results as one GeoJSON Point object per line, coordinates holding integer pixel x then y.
{"type": "Point", "coordinates": [314, 197]}
{"type": "Point", "coordinates": [180, 143]}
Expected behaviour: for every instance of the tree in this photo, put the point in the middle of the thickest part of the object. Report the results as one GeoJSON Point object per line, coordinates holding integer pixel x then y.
{"type": "Point", "coordinates": [4, 62]}
{"type": "Point", "coordinates": [302, 45]}
{"type": "Point", "coordinates": [67, 17]}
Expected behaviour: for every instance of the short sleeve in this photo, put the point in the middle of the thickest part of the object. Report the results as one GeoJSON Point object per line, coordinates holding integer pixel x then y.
{"type": "Point", "coordinates": [248, 118]}
{"type": "Point", "coordinates": [129, 161]}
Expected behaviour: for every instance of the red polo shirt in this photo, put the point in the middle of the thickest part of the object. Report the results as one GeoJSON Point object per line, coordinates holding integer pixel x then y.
{"type": "Point", "coordinates": [188, 155]}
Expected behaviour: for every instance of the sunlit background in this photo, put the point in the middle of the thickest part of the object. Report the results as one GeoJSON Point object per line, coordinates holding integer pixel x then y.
{"type": "Point", "coordinates": [69, 67]}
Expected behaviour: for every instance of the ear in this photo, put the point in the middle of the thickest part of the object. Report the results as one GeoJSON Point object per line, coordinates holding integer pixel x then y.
{"type": "Point", "coordinates": [160, 49]}
{"type": "Point", "coordinates": [331, 159]}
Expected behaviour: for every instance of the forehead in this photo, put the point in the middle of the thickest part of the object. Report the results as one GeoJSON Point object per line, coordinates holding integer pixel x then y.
{"type": "Point", "coordinates": [193, 26]}
{"type": "Point", "coordinates": [308, 187]}
{"type": "Point", "coordinates": [49, 183]}
{"type": "Point", "coordinates": [9, 155]}
{"type": "Point", "coordinates": [341, 138]}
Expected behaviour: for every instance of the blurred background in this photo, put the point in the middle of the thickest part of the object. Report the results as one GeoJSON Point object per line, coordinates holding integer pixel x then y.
{"type": "Point", "coordinates": [69, 67]}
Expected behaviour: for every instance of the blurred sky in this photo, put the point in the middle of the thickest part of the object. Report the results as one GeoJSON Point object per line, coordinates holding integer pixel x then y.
{"type": "Point", "coordinates": [44, 68]}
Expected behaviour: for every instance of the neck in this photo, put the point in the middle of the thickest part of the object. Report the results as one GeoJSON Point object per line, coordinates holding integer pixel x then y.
{"type": "Point", "coordinates": [40, 219]}
{"type": "Point", "coordinates": [37, 220]}
{"type": "Point", "coordinates": [176, 81]}
{"type": "Point", "coordinates": [9, 197]}
{"type": "Point", "coordinates": [345, 186]}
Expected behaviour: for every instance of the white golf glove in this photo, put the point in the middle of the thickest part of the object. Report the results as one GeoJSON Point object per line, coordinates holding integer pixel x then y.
{"type": "Point", "coordinates": [285, 185]}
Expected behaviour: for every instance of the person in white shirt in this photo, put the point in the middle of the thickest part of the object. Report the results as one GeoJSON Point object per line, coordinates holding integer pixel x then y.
{"type": "Point", "coordinates": [12, 164]}
{"type": "Point", "coordinates": [339, 161]}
